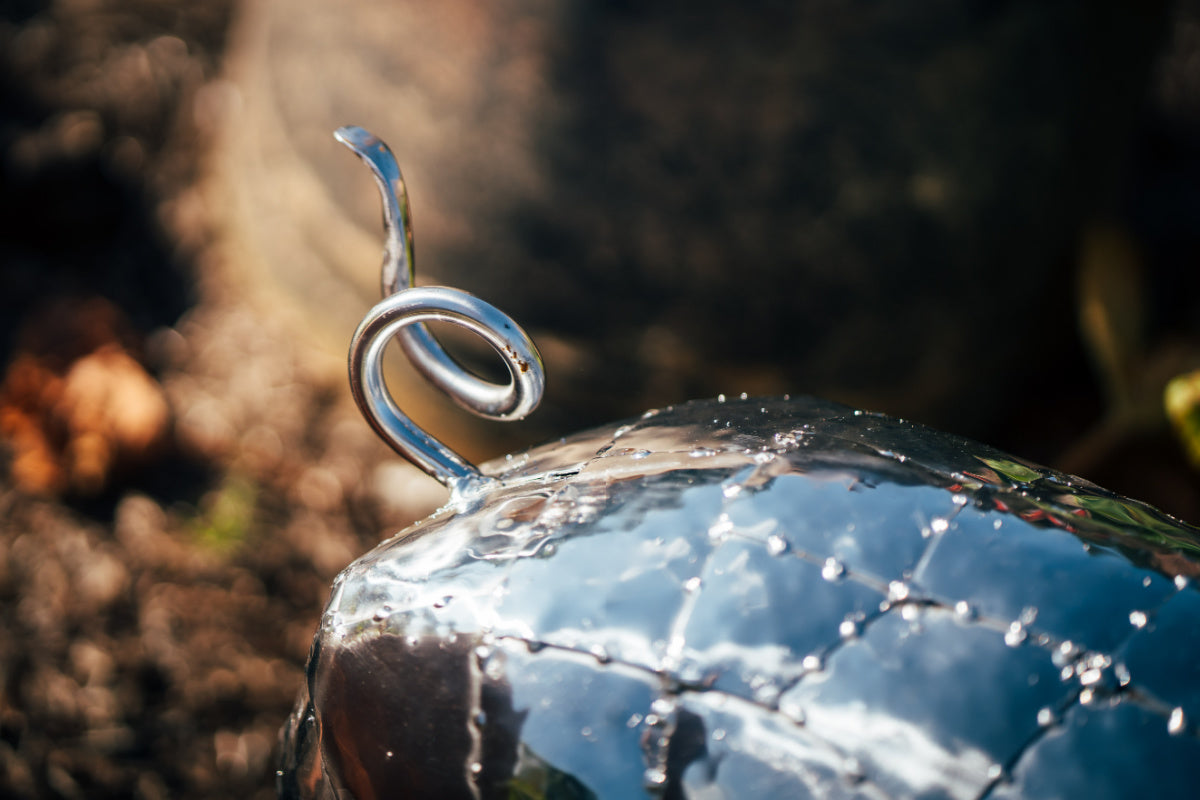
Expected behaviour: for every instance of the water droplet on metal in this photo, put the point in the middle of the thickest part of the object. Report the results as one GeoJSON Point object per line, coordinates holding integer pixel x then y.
{"type": "Point", "coordinates": [662, 707]}
{"type": "Point", "coordinates": [1047, 716]}
{"type": "Point", "coordinates": [1065, 654]}
{"type": "Point", "coordinates": [833, 570]}
{"type": "Point", "coordinates": [720, 529]}
{"type": "Point", "coordinates": [701, 452]}
{"type": "Point", "coordinates": [656, 739]}
{"type": "Point", "coordinates": [1015, 634]}
{"type": "Point", "coordinates": [788, 439]}
{"type": "Point", "coordinates": [767, 694]}
{"type": "Point", "coordinates": [654, 778]}
{"type": "Point", "coordinates": [1121, 672]}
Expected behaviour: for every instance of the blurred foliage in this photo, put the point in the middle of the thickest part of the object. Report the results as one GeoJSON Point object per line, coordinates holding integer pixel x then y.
{"type": "Point", "coordinates": [1181, 399]}
{"type": "Point", "coordinates": [226, 515]}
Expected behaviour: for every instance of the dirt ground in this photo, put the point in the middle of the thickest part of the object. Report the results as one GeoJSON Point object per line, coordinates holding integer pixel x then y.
{"type": "Point", "coordinates": [162, 572]}
{"type": "Point", "coordinates": [160, 577]}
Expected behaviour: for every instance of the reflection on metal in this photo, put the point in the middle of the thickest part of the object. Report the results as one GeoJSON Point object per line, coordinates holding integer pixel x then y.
{"type": "Point", "coordinates": [399, 259]}
{"type": "Point", "coordinates": [760, 599]}
{"type": "Point", "coordinates": [403, 313]}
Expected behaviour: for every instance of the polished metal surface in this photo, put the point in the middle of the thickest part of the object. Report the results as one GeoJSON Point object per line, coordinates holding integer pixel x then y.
{"type": "Point", "coordinates": [402, 314]}
{"type": "Point", "coordinates": [497, 401]}
{"type": "Point", "coordinates": [761, 599]}
{"type": "Point", "coordinates": [411, 307]}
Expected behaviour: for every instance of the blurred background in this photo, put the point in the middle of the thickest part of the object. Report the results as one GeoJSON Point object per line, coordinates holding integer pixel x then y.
{"type": "Point", "coordinates": [982, 216]}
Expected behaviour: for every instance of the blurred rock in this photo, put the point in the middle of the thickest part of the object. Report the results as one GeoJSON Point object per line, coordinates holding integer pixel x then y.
{"type": "Point", "coordinates": [75, 404]}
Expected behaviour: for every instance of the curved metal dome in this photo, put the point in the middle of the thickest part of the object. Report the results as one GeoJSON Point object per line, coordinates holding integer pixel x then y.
{"type": "Point", "coordinates": [761, 599]}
